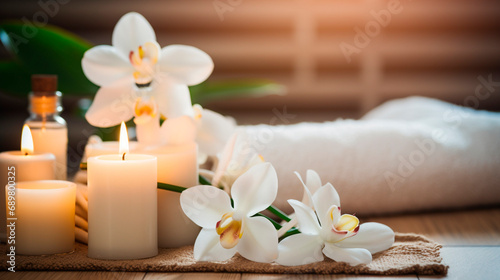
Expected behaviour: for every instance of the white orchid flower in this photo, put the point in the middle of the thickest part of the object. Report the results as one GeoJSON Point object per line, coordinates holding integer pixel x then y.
{"type": "Point", "coordinates": [226, 229]}
{"type": "Point", "coordinates": [339, 237]}
{"type": "Point", "coordinates": [213, 130]}
{"type": "Point", "coordinates": [237, 157]}
{"type": "Point", "coordinates": [135, 58]}
{"type": "Point", "coordinates": [312, 184]}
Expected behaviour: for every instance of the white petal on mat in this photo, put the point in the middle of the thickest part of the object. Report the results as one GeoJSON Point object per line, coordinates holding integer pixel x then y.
{"type": "Point", "coordinates": [207, 247]}
{"type": "Point", "coordinates": [352, 256]}
{"type": "Point", "coordinates": [300, 249]}
{"type": "Point", "coordinates": [374, 237]}
{"type": "Point", "coordinates": [259, 242]}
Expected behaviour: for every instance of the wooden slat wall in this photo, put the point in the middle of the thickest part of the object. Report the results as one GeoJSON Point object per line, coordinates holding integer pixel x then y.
{"type": "Point", "coordinates": [432, 48]}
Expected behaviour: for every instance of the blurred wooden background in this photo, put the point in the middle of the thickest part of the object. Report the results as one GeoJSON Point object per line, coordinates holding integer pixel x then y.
{"type": "Point", "coordinates": [431, 48]}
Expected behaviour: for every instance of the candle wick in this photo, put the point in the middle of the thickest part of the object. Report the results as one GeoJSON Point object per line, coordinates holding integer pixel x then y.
{"type": "Point", "coordinates": [123, 157]}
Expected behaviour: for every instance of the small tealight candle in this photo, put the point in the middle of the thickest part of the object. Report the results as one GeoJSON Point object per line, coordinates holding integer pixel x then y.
{"type": "Point", "coordinates": [122, 198]}
{"type": "Point", "coordinates": [24, 165]}
{"type": "Point", "coordinates": [44, 217]}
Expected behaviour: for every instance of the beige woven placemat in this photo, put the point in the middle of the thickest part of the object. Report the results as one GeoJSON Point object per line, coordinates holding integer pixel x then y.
{"type": "Point", "coordinates": [411, 254]}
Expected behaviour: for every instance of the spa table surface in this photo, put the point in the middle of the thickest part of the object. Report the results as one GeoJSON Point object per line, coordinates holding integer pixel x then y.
{"type": "Point", "coordinates": [470, 239]}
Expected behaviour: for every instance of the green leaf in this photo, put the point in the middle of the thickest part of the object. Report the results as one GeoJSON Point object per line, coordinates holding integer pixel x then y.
{"type": "Point", "coordinates": [47, 50]}
{"type": "Point", "coordinates": [14, 78]}
{"type": "Point", "coordinates": [212, 90]}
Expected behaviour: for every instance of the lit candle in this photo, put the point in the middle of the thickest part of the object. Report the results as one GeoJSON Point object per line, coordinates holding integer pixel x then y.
{"type": "Point", "coordinates": [24, 165]}
{"type": "Point", "coordinates": [122, 204]}
{"type": "Point", "coordinates": [45, 212]}
{"type": "Point", "coordinates": [107, 148]}
{"type": "Point", "coordinates": [177, 165]}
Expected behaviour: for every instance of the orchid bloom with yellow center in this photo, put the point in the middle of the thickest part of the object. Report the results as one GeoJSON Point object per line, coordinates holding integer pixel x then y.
{"type": "Point", "coordinates": [311, 185]}
{"type": "Point", "coordinates": [325, 231]}
{"type": "Point", "coordinates": [227, 229]}
{"type": "Point", "coordinates": [135, 61]}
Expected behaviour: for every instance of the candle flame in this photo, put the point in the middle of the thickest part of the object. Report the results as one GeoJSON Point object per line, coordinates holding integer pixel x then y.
{"type": "Point", "coordinates": [123, 140]}
{"type": "Point", "coordinates": [26, 141]}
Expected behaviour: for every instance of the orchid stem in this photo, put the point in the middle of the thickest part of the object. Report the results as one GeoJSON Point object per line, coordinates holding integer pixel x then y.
{"type": "Point", "coordinates": [169, 187]}
{"type": "Point", "coordinates": [289, 233]}
{"type": "Point", "coordinates": [203, 180]}
{"type": "Point", "coordinates": [279, 213]}
{"type": "Point", "coordinates": [275, 224]}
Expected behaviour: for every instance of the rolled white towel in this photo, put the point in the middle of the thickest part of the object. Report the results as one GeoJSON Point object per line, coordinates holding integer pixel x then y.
{"type": "Point", "coordinates": [407, 155]}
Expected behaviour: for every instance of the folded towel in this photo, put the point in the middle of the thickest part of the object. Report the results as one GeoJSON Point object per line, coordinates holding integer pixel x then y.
{"type": "Point", "coordinates": [410, 154]}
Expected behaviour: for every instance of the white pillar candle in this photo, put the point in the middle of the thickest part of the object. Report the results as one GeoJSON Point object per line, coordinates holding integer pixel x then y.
{"type": "Point", "coordinates": [27, 167]}
{"type": "Point", "coordinates": [177, 165]}
{"type": "Point", "coordinates": [44, 217]}
{"type": "Point", "coordinates": [122, 213]}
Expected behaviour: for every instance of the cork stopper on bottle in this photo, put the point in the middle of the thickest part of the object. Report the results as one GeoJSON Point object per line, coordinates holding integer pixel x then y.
{"type": "Point", "coordinates": [45, 98]}
{"type": "Point", "coordinates": [44, 85]}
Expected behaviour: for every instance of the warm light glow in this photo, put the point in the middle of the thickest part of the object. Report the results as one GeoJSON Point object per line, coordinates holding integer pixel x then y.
{"type": "Point", "coordinates": [123, 140]}
{"type": "Point", "coordinates": [26, 141]}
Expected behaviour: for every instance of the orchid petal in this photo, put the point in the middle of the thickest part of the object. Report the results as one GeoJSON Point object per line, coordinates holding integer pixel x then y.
{"type": "Point", "coordinates": [185, 64]}
{"type": "Point", "coordinates": [104, 65]}
{"type": "Point", "coordinates": [352, 256]}
{"type": "Point", "coordinates": [259, 242]}
{"type": "Point", "coordinates": [335, 214]}
{"type": "Point", "coordinates": [323, 199]}
{"type": "Point", "coordinates": [112, 105]}
{"type": "Point", "coordinates": [205, 205]}
{"type": "Point", "coordinates": [328, 231]}
{"type": "Point", "coordinates": [308, 222]}
{"type": "Point", "coordinates": [374, 237]}
{"type": "Point", "coordinates": [255, 190]}
{"type": "Point", "coordinates": [313, 181]}
{"type": "Point", "coordinates": [173, 99]}
{"type": "Point", "coordinates": [132, 31]}
{"type": "Point", "coordinates": [307, 196]}
{"type": "Point", "coordinates": [177, 131]}
{"type": "Point", "coordinates": [214, 130]}
{"type": "Point", "coordinates": [243, 156]}
{"type": "Point", "coordinates": [300, 249]}
{"type": "Point", "coordinates": [207, 247]}
{"type": "Point", "coordinates": [225, 159]}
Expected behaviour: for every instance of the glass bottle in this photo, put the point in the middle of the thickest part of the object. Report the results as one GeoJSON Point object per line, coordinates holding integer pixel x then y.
{"type": "Point", "coordinates": [49, 130]}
